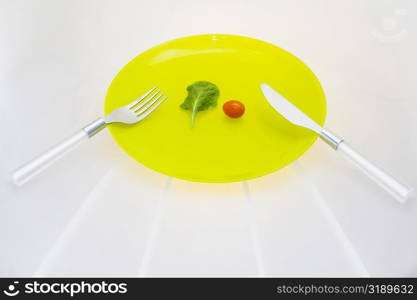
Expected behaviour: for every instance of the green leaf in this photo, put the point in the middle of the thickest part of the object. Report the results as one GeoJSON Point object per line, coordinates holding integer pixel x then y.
{"type": "Point", "coordinates": [201, 96]}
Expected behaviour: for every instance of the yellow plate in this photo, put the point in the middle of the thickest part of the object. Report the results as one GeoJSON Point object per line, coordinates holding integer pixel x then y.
{"type": "Point", "coordinates": [218, 148]}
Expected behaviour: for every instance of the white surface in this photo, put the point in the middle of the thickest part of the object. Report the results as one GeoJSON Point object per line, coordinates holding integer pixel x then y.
{"type": "Point", "coordinates": [317, 217]}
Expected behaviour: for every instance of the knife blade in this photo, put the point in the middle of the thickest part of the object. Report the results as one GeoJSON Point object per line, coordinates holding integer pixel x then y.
{"type": "Point", "coordinates": [288, 110]}
{"type": "Point", "coordinates": [293, 114]}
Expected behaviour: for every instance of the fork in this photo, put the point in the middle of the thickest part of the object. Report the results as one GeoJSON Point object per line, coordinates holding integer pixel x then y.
{"type": "Point", "coordinates": [128, 114]}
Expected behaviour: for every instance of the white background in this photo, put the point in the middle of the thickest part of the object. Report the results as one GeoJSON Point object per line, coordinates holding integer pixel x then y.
{"type": "Point", "coordinates": [98, 213]}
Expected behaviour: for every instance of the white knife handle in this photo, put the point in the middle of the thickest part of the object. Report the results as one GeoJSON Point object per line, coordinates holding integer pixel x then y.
{"type": "Point", "coordinates": [399, 191]}
{"type": "Point", "coordinates": [41, 162]}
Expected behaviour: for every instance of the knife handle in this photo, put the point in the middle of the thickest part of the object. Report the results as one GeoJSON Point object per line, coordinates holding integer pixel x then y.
{"type": "Point", "coordinates": [398, 190]}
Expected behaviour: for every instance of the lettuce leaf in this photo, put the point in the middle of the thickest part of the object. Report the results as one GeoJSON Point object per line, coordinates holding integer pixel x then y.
{"type": "Point", "coordinates": [201, 96]}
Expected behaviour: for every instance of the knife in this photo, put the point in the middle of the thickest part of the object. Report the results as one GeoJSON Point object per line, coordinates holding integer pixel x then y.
{"type": "Point", "coordinates": [290, 112]}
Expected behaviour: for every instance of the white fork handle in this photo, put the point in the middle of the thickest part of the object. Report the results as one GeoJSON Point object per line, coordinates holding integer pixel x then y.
{"type": "Point", "coordinates": [44, 160]}
{"type": "Point", "coordinates": [398, 190]}
{"type": "Point", "coordinates": [41, 162]}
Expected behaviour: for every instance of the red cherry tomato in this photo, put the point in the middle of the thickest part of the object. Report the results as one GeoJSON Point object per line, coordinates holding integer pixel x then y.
{"type": "Point", "coordinates": [234, 108]}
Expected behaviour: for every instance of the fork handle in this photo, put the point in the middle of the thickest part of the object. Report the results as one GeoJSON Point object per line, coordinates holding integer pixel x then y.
{"type": "Point", "coordinates": [44, 160]}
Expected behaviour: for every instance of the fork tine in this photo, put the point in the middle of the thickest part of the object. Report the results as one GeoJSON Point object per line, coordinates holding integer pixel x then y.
{"type": "Point", "coordinates": [157, 94]}
{"type": "Point", "coordinates": [133, 103]}
{"type": "Point", "coordinates": [147, 104]}
{"type": "Point", "coordinates": [145, 113]}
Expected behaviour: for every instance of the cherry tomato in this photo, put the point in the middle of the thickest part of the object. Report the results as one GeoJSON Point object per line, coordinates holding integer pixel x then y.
{"type": "Point", "coordinates": [234, 108]}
